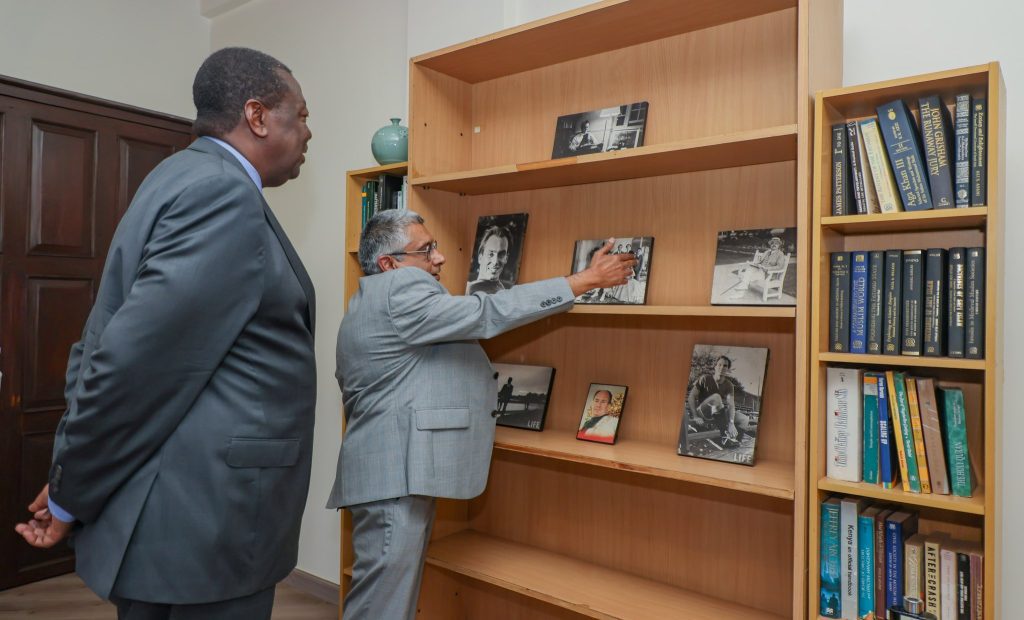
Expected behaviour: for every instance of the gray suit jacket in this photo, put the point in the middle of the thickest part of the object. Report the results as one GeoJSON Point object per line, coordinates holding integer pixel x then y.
{"type": "Point", "coordinates": [418, 389]}
{"type": "Point", "coordinates": [186, 446]}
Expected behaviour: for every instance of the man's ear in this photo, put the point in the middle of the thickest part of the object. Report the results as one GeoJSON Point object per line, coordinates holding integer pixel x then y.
{"type": "Point", "coordinates": [387, 262]}
{"type": "Point", "coordinates": [256, 117]}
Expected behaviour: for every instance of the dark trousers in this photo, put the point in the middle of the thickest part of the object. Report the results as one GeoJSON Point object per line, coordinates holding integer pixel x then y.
{"type": "Point", "coordinates": [253, 607]}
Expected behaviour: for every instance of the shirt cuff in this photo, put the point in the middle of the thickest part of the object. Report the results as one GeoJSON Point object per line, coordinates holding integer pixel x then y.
{"type": "Point", "coordinates": [59, 513]}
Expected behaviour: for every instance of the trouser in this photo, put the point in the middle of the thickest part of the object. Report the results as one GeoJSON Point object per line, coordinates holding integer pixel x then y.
{"type": "Point", "coordinates": [389, 540]}
{"type": "Point", "coordinates": [256, 606]}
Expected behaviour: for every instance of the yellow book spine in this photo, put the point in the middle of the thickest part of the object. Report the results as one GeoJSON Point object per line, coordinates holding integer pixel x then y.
{"type": "Point", "coordinates": [898, 431]}
{"type": "Point", "coordinates": [915, 422]}
{"type": "Point", "coordinates": [881, 172]}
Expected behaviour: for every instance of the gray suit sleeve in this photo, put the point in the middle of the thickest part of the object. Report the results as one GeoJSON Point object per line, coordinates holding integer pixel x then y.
{"type": "Point", "coordinates": [423, 311]}
{"type": "Point", "coordinates": [199, 282]}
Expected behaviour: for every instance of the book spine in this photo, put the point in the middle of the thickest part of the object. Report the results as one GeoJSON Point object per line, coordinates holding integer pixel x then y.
{"type": "Point", "coordinates": [963, 586]}
{"type": "Point", "coordinates": [892, 326]}
{"type": "Point", "coordinates": [900, 136]}
{"type": "Point", "coordinates": [893, 563]}
{"type": "Point", "coordinates": [849, 574]}
{"type": "Point", "coordinates": [843, 425]}
{"type": "Point", "coordinates": [918, 431]}
{"type": "Point", "coordinates": [876, 301]}
{"type": "Point", "coordinates": [887, 460]}
{"type": "Point", "coordinates": [935, 302]}
{"type": "Point", "coordinates": [913, 570]}
{"type": "Point", "coordinates": [830, 597]}
{"type": "Point", "coordinates": [903, 432]}
{"type": "Point", "coordinates": [880, 563]}
{"type": "Point", "coordinates": [839, 303]}
{"type": "Point", "coordinates": [962, 131]}
{"type": "Point", "coordinates": [934, 449]}
{"type": "Point", "coordinates": [858, 301]}
{"type": "Point", "coordinates": [867, 180]}
{"type": "Point", "coordinates": [870, 432]}
{"type": "Point", "coordinates": [860, 200]}
{"type": "Point", "coordinates": [947, 587]}
{"type": "Point", "coordinates": [913, 300]}
{"type": "Point", "coordinates": [954, 435]}
{"type": "Point", "coordinates": [979, 152]}
{"type": "Point", "coordinates": [974, 303]}
{"type": "Point", "coordinates": [866, 567]}
{"type": "Point", "coordinates": [956, 303]}
{"type": "Point", "coordinates": [978, 586]}
{"type": "Point", "coordinates": [932, 590]}
{"type": "Point", "coordinates": [881, 173]}
{"type": "Point", "coordinates": [841, 195]}
{"type": "Point", "coordinates": [935, 139]}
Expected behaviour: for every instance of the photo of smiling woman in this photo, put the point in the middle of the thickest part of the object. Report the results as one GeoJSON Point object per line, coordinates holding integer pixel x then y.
{"type": "Point", "coordinates": [496, 253]}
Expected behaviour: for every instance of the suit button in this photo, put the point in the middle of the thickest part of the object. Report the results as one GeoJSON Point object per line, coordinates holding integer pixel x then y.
{"type": "Point", "coordinates": [495, 413]}
{"type": "Point", "coordinates": [495, 375]}
{"type": "Point", "coordinates": [544, 304]}
{"type": "Point", "coordinates": [558, 299]}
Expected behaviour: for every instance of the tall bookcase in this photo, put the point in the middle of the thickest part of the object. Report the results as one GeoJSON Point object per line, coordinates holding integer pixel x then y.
{"type": "Point", "coordinates": [569, 528]}
{"type": "Point", "coordinates": [973, 519]}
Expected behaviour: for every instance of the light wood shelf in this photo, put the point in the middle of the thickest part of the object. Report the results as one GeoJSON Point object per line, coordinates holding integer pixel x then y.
{"type": "Point", "coordinates": [896, 361]}
{"type": "Point", "coordinates": [974, 505]}
{"type": "Point", "coordinates": [743, 148]}
{"type": "Point", "coordinates": [652, 459]}
{"type": "Point", "coordinates": [590, 590]}
{"type": "Point", "coordinates": [940, 219]}
{"type": "Point", "coordinates": [764, 312]}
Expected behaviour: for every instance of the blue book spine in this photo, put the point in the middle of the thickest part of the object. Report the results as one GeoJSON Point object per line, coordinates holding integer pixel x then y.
{"type": "Point", "coordinates": [962, 133]}
{"type": "Point", "coordinates": [887, 464]}
{"type": "Point", "coordinates": [869, 462]}
{"type": "Point", "coordinates": [866, 560]}
{"type": "Point", "coordinates": [901, 142]}
{"type": "Point", "coordinates": [893, 564]}
{"type": "Point", "coordinates": [937, 152]}
{"type": "Point", "coordinates": [858, 302]}
{"type": "Point", "coordinates": [830, 596]}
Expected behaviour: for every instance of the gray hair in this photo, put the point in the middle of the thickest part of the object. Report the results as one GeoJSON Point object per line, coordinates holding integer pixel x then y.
{"type": "Point", "coordinates": [384, 234]}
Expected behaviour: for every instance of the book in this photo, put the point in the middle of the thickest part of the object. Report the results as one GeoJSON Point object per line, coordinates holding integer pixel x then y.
{"type": "Point", "coordinates": [962, 151]}
{"type": "Point", "coordinates": [955, 302]}
{"type": "Point", "coordinates": [979, 151]}
{"type": "Point", "coordinates": [900, 135]}
{"type": "Point", "coordinates": [880, 564]}
{"type": "Point", "coordinates": [963, 583]}
{"type": "Point", "coordinates": [598, 131]}
{"type": "Point", "coordinates": [830, 598]}
{"type": "Point", "coordinates": [866, 561]}
{"type": "Point", "coordinates": [523, 395]}
{"type": "Point", "coordinates": [888, 463]}
{"type": "Point", "coordinates": [876, 301]}
{"type": "Point", "coordinates": [932, 581]}
{"type": "Point", "coordinates": [918, 432]}
{"type": "Point", "coordinates": [935, 451]}
{"type": "Point", "coordinates": [974, 303]}
{"type": "Point", "coordinates": [869, 458]}
{"type": "Point", "coordinates": [842, 196]}
{"type": "Point", "coordinates": [935, 141]}
{"type": "Point", "coordinates": [899, 526]}
{"type": "Point", "coordinates": [844, 423]}
{"type": "Point", "coordinates": [935, 302]}
{"type": "Point", "coordinates": [948, 590]}
{"type": "Point", "coordinates": [903, 432]}
{"type": "Point", "coordinates": [849, 527]}
{"type": "Point", "coordinates": [954, 437]}
{"type": "Point", "coordinates": [858, 301]}
{"type": "Point", "coordinates": [878, 163]}
{"type": "Point", "coordinates": [913, 577]}
{"type": "Point", "coordinates": [839, 303]}
{"type": "Point", "coordinates": [860, 200]}
{"type": "Point", "coordinates": [977, 553]}
{"type": "Point", "coordinates": [892, 323]}
{"type": "Point", "coordinates": [913, 302]}
{"type": "Point", "coordinates": [497, 253]}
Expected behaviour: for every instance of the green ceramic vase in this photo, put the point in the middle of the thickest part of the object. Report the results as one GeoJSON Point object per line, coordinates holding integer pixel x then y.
{"type": "Point", "coordinates": [390, 145]}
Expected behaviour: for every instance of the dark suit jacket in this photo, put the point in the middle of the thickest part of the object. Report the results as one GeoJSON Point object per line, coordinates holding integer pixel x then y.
{"type": "Point", "coordinates": [186, 446]}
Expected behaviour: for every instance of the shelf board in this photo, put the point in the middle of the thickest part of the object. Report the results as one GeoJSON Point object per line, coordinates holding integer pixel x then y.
{"type": "Point", "coordinates": [972, 505]}
{"type": "Point", "coordinates": [401, 168]}
{"type": "Point", "coordinates": [587, 589]}
{"type": "Point", "coordinates": [767, 312]}
{"type": "Point", "coordinates": [902, 360]}
{"type": "Point", "coordinates": [940, 219]}
{"type": "Point", "coordinates": [774, 479]}
{"type": "Point", "coordinates": [744, 148]}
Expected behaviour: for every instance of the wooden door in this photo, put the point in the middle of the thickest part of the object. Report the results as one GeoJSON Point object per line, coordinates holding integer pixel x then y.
{"type": "Point", "coordinates": [69, 166]}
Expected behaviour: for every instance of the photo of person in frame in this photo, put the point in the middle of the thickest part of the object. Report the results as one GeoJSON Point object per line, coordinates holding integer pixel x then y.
{"type": "Point", "coordinates": [497, 252]}
{"type": "Point", "coordinates": [602, 412]}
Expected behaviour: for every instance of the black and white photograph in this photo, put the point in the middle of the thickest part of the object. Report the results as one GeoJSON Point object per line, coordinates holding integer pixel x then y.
{"type": "Point", "coordinates": [723, 403]}
{"type": "Point", "coordinates": [755, 267]}
{"type": "Point", "coordinates": [523, 395]}
{"type": "Point", "coordinates": [497, 252]}
{"type": "Point", "coordinates": [597, 131]}
{"type": "Point", "coordinates": [634, 291]}
{"type": "Point", "coordinates": [601, 413]}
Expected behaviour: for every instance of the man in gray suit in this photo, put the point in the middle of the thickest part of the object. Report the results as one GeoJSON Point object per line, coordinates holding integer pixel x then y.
{"type": "Point", "coordinates": [183, 459]}
{"type": "Point", "coordinates": [419, 396]}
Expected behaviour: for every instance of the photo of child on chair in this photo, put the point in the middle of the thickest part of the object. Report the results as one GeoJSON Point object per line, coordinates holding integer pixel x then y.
{"type": "Point", "coordinates": [755, 268]}
{"type": "Point", "coordinates": [723, 403]}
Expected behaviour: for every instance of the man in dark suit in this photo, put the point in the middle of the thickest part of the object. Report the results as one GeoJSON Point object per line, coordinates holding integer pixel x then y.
{"type": "Point", "coordinates": [182, 461]}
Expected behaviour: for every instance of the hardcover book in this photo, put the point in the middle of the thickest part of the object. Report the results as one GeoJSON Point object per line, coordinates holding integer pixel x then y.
{"type": "Point", "coordinates": [839, 303]}
{"type": "Point", "coordinates": [900, 135]}
{"type": "Point", "coordinates": [934, 449]}
{"type": "Point", "coordinates": [932, 576]}
{"type": "Point", "coordinates": [954, 436]}
{"type": "Point", "coordinates": [755, 267]}
{"type": "Point", "coordinates": [849, 529]}
{"type": "Point", "coordinates": [974, 303]}
{"type": "Point", "coordinates": [858, 301]}
{"type": "Point", "coordinates": [876, 301]}
{"type": "Point", "coordinates": [892, 324]}
{"type": "Point", "coordinates": [830, 598]}
{"type": "Point", "coordinates": [979, 152]}
{"type": "Point", "coordinates": [857, 167]}
{"type": "Point", "coordinates": [888, 463]}
{"type": "Point", "coordinates": [523, 395]}
{"type": "Point", "coordinates": [880, 563]}
{"type": "Point", "coordinates": [913, 553]}
{"type": "Point", "coordinates": [634, 291]}
{"type": "Point", "coordinates": [935, 139]}
{"type": "Point", "coordinates": [962, 131]}
{"type": "Point", "coordinates": [866, 561]}
{"type": "Point", "coordinates": [935, 302]}
{"type": "Point", "coordinates": [913, 302]}
{"type": "Point", "coordinates": [602, 412]}
{"type": "Point", "coordinates": [497, 252]}
{"type": "Point", "coordinates": [956, 302]}
{"type": "Point", "coordinates": [842, 196]}
{"type": "Point", "coordinates": [723, 403]}
{"type": "Point", "coordinates": [898, 528]}
{"type": "Point", "coordinates": [843, 424]}
{"type": "Point", "coordinates": [608, 129]}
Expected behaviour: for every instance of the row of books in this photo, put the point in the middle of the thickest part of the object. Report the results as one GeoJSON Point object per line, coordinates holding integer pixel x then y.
{"type": "Point", "coordinates": [386, 192]}
{"type": "Point", "coordinates": [884, 164]}
{"type": "Point", "coordinates": [886, 427]}
{"type": "Point", "coordinates": [908, 302]}
{"type": "Point", "coordinates": [875, 564]}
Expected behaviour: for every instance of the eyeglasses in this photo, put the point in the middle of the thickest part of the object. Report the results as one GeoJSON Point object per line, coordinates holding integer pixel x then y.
{"type": "Point", "coordinates": [427, 253]}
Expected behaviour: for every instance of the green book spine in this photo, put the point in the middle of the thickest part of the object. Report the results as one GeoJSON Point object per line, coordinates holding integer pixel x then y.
{"type": "Point", "coordinates": [954, 435]}
{"type": "Point", "coordinates": [907, 433]}
{"type": "Point", "coordinates": [870, 434]}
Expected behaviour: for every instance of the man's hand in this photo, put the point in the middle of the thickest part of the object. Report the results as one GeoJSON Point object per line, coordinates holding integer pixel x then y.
{"type": "Point", "coordinates": [42, 530]}
{"type": "Point", "coordinates": [605, 270]}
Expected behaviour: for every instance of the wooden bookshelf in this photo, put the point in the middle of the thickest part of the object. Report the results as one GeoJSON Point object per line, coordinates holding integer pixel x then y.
{"type": "Point", "coordinates": [568, 528]}
{"type": "Point", "coordinates": [975, 518]}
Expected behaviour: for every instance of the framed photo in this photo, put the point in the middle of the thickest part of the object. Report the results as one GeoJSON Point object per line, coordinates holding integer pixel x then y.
{"type": "Point", "coordinates": [634, 291]}
{"type": "Point", "coordinates": [497, 252]}
{"type": "Point", "coordinates": [523, 395]}
{"type": "Point", "coordinates": [608, 129]}
{"type": "Point", "coordinates": [723, 403]}
{"type": "Point", "coordinates": [755, 268]}
{"type": "Point", "coordinates": [602, 412]}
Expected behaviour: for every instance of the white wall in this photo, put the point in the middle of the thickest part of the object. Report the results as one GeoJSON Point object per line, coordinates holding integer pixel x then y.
{"type": "Point", "coordinates": [140, 52]}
